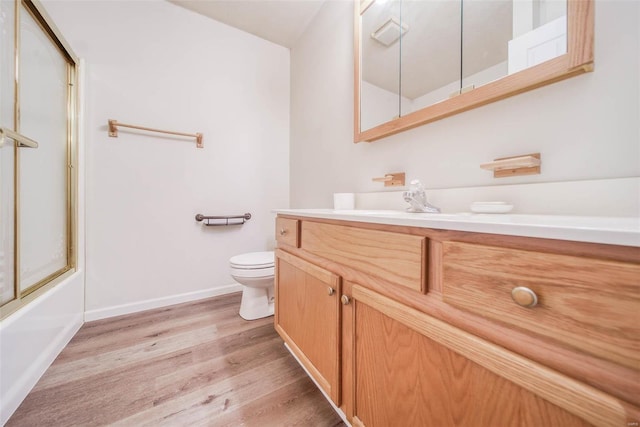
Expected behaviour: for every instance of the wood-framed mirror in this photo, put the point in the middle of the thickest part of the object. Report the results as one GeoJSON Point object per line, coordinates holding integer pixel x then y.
{"type": "Point", "coordinates": [484, 51]}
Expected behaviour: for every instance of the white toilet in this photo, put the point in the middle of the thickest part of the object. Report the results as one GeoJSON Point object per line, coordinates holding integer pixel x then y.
{"type": "Point", "coordinates": [255, 270]}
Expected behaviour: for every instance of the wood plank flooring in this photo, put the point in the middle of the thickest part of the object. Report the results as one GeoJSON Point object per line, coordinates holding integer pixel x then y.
{"type": "Point", "coordinates": [193, 364]}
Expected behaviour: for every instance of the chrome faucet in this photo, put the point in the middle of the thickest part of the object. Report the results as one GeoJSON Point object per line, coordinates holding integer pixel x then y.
{"type": "Point", "coordinates": [417, 198]}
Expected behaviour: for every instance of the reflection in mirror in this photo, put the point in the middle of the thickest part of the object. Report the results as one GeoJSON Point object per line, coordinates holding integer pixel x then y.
{"type": "Point", "coordinates": [380, 85]}
{"type": "Point", "coordinates": [539, 33]}
{"type": "Point", "coordinates": [487, 29]}
{"type": "Point", "coordinates": [430, 52]}
{"type": "Point", "coordinates": [502, 48]}
{"type": "Point", "coordinates": [502, 37]}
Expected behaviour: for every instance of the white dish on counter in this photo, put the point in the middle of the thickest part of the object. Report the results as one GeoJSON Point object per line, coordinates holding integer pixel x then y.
{"type": "Point", "coordinates": [491, 207]}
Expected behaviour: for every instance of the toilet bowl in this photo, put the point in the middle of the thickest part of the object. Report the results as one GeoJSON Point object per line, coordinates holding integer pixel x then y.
{"type": "Point", "coordinates": [255, 271]}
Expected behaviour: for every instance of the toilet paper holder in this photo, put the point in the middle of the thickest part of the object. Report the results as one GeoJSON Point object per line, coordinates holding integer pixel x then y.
{"type": "Point", "coordinates": [217, 221]}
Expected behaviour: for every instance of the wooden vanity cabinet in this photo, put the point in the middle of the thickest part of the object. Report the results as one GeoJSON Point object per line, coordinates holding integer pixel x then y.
{"type": "Point", "coordinates": [417, 350]}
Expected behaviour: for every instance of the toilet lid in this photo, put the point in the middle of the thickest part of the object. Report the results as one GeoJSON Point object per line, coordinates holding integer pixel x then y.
{"type": "Point", "coordinates": [253, 260]}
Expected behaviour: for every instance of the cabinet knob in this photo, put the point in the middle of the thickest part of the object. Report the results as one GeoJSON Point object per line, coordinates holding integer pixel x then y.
{"type": "Point", "coordinates": [283, 231]}
{"type": "Point", "coordinates": [524, 296]}
{"type": "Point", "coordinates": [345, 299]}
{"type": "Point", "coordinates": [330, 291]}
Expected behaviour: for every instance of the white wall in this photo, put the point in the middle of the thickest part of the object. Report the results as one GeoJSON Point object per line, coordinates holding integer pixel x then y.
{"type": "Point", "coordinates": [153, 63]}
{"type": "Point", "coordinates": [586, 127]}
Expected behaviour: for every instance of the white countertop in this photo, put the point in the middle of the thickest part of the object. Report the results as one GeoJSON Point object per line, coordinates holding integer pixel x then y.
{"type": "Point", "coordinates": [608, 230]}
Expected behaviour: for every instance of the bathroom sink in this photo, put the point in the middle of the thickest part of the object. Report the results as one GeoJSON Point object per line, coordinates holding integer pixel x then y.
{"type": "Point", "coordinates": [402, 214]}
{"type": "Point", "coordinates": [370, 212]}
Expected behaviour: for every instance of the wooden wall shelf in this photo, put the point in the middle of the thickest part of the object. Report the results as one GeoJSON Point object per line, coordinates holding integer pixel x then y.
{"type": "Point", "coordinates": [396, 179]}
{"type": "Point", "coordinates": [528, 164]}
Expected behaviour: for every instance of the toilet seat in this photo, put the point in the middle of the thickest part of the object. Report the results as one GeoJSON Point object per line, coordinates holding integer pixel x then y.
{"type": "Point", "coordinates": [253, 272]}
{"type": "Point", "coordinates": [253, 261]}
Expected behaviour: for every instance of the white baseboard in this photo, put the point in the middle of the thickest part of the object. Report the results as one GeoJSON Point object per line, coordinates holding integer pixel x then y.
{"type": "Point", "coordinates": [134, 307]}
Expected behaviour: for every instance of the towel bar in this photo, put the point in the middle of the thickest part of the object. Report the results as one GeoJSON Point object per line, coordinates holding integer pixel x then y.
{"type": "Point", "coordinates": [114, 124]}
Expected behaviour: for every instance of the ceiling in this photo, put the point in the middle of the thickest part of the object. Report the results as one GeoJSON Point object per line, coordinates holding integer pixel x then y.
{"type": "Point", "coordinates": [279, 21]}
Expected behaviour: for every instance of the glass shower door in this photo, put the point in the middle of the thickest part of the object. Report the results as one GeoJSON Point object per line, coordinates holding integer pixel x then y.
{"type": "Point", "coordinates": [7, 151]}
{"type": "Point", "coordinates": [43, 223]}
{"type": "Point", "coordinates": [37, 105]}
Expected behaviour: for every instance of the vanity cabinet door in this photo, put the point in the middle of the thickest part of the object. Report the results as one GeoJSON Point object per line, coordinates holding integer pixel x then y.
{"type": "Point", "coordinates": [307, 317]}
{"type": "Point", "coordinates": [414, 370]}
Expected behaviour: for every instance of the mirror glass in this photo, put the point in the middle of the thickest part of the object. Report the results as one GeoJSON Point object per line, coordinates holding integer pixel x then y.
{"type": "Point", "coordinates": [502, 37]}
{"type": "Point", "coordinates": [416, 54]}
{"type": "Point", "coordinates": [430, 52]}
{"type": "Point", "coordinates": [380, 83]}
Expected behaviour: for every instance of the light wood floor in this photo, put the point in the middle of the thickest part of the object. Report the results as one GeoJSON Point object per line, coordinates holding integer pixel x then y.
{"type": "Point", "coordinates": [194, 364]}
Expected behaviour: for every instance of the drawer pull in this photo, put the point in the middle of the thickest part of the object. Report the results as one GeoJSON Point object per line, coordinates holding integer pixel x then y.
{"type": "Point", "coordinates": [345, 300]}
{"type": "Point", "coordinates": [330, 291]}
{"type": "Point", "coordinates": [524, 297]}
{"type": "Point", "coordinates": [283, 231]}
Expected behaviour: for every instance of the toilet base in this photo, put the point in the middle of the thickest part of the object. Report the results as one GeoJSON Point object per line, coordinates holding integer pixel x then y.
{"type": "Point", "coordinates": [256, 303]}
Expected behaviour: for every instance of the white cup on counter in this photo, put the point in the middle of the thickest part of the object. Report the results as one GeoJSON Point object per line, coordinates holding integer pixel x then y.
{"type": "Point", "coordinates": [344, 201]}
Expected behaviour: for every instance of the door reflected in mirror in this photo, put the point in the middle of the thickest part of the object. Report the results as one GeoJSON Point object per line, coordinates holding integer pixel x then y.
{"type": "Point", "coordinates": [502, 37]}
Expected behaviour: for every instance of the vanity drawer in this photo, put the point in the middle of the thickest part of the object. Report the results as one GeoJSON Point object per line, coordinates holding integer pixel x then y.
{"type": "Point", "coordinates": [288, 232]}
{"type": "Point", "coordinates": [395, 257]}
{"type": "Point", "coordinates": [590, 304]}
